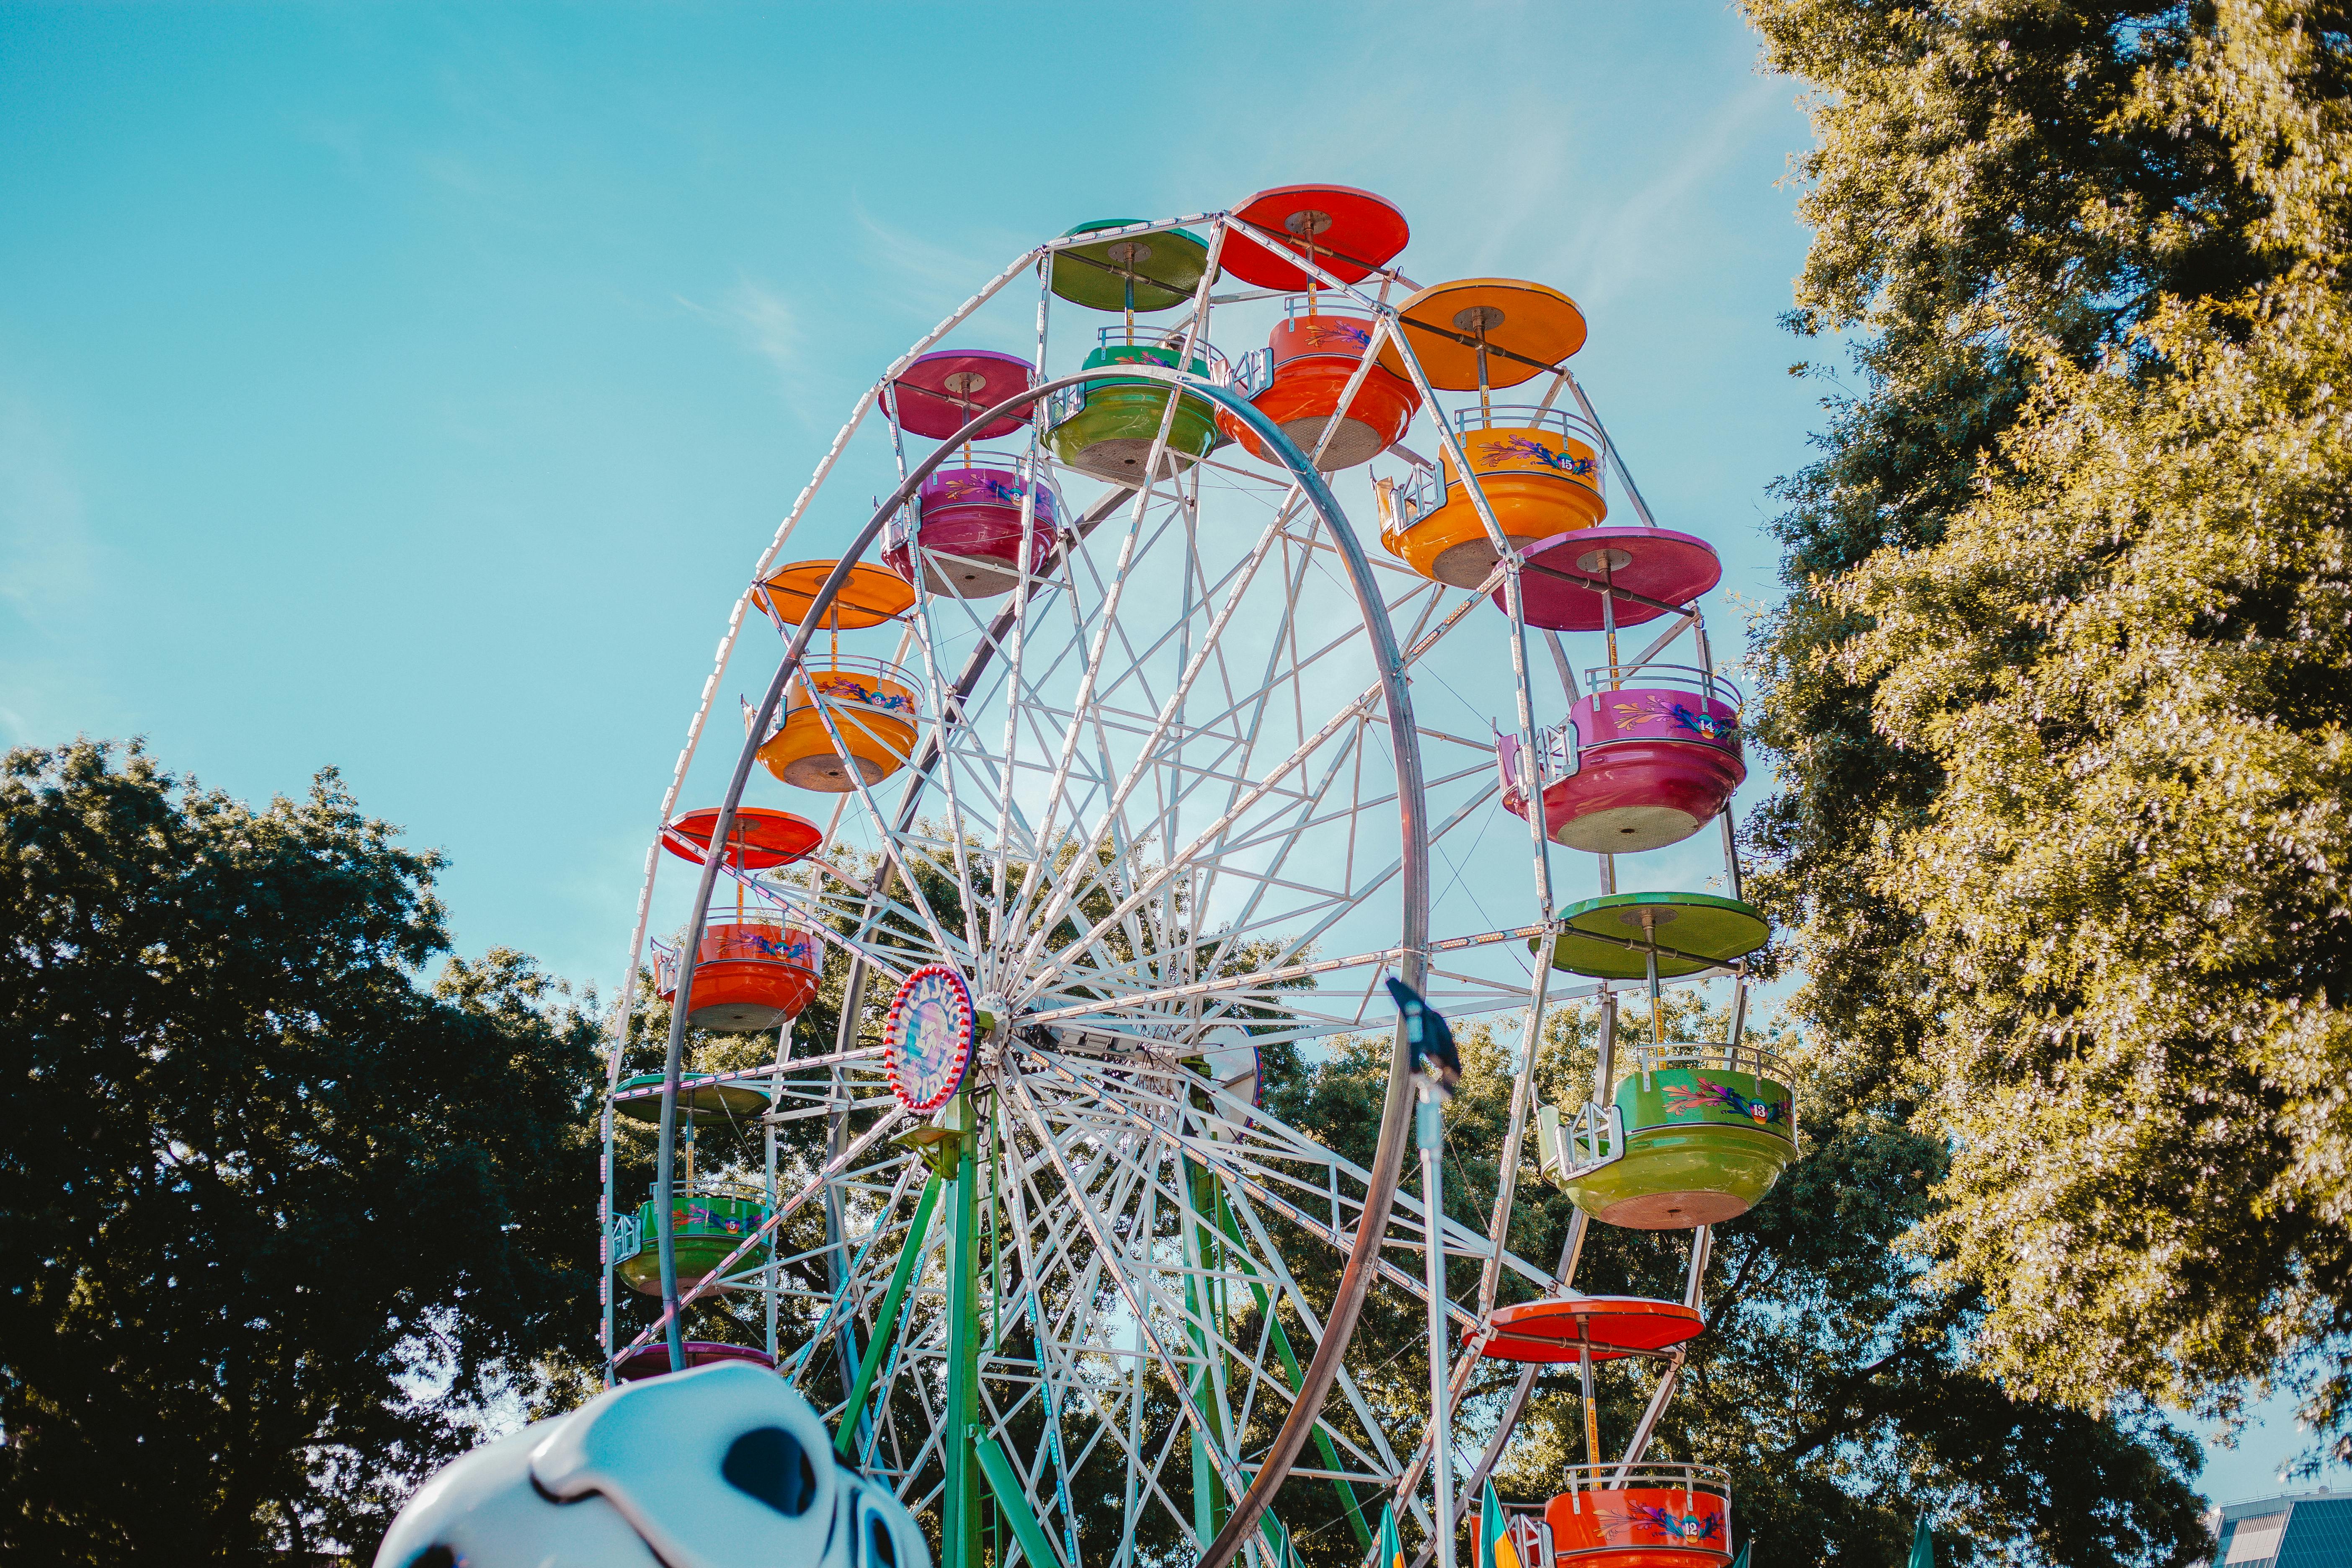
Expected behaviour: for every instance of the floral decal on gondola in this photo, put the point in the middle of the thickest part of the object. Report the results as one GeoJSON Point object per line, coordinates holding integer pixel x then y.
{"type": "Point", "coordinates": [1682, 1529]}
{"type": "Point", "coordinates": [966, 487]}
{"type": "Point", "coordinates": [1707, 726]}
{"type": "Point", "coordinates": [1323, 334]}
{"type": "Point", "coordinates": [1720, 727]}
{"type": "Point", "coordinates": [1703, 1094]}
{"type": "Point", "coordinates": [1526, 449]}
{"type": "Point", "coordinates": [849, 688]}
{"type": "Point", "coordinates": [790, 948]}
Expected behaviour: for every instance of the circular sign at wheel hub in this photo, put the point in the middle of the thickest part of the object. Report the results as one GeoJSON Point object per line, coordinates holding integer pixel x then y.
{"type": "Point", "coordinates": [928, 1038]}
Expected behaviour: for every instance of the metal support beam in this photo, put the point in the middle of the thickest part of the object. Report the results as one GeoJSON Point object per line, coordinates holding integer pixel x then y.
{"type": "Point", "coordinates": [1430, 1126]}
{"type": "Point", "coordinates": [959, 1508]}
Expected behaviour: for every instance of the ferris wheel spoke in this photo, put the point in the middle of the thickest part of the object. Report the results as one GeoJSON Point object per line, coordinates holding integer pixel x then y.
{"type": "Point", "coordinates": [1219, 1348]}
{"type": "Point", "coordinates": [1096, 643]}
{"type": "Point", "coordinates": [1085, 1293]}
{"type": "Point", "coordinates": [784, 1212]}
{"type": "Point", "coordinates": [1131, 1285]}
{"type": "Point", "coordinates": [1285, 828]}
{"type": "Point", "coordinates": [839, 1301]}
{"type": "Point", "coordinates": [826, 716]}
{"type": "Point", "coordinates": [1293, 938]}
{"type": "Point", "coordinates": [1053, 1364]}
{"type": "Point", "coordinates": [942, 709]}
{"type": "Point", "coordinates": [1040, 970]}
{"type": "Point", "coordinates": [1263, 1163]}
{"type": "Point", "coordinates": [998, 1425]}
{"type": "Point", "coordinates": [910, 1364]}
{"type": "Point", "coordinates": [887, 925]}
{"type": "Point", "coordinates": [1213, 1346]}
{"type": "Point", "coordinates": [897, 960]}
{"type": "Point", "coordinates": [1233, 583]}
{"type": "Point", "coordinates": [1380, 1459]}
{"type": "Point", "coordinates": [1130, 669]}
{"type": "Point", "coordinates": [1284, 836]}
{"type": "Point", "coordinates": [1079, 1287]}
{"type": "Point", "coordinates": [1109, 718]}
{"type": "Point", "coordinates": [1011, 679]}
{"type": "Point", "coordinates": [1155, 751]}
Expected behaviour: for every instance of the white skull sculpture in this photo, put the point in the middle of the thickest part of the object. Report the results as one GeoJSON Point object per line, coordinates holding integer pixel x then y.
{"type": "Point", "coordinates": [710, 1468]}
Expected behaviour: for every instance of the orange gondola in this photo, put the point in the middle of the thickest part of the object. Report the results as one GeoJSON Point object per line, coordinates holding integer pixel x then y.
{"type": "Point", "coordinates": [1539, 471]}
{"type": "Point", "coordinates": [1626, 1516]}
{"type": "Point", "coordinates": [846, 720]}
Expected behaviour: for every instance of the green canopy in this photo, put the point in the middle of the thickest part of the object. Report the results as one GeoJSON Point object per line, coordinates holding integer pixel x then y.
{"type": "Point", "coordinates": [699, 1099]}
{"type": "Point", "coordinates": [1164, 267]}
{"type": "Point", "coordinates": [1923, 1546]}
{"type": "Point", "coordinates": [1609, 937]}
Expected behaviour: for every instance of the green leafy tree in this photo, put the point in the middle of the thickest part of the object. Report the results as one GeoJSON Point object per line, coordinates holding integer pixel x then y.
{"type": "Point", "coordinates": [285, 1226]}
{"type": "Point", "coordinates": [2060, 690]}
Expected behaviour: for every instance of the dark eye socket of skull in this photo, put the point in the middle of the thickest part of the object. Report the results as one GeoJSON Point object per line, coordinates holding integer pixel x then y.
{"type": "Point", "coordinates": [435, 1556]}
{"type": "Point", "coordinates": [770, 1464]}
{"type": "Point", "coordinates": [880, 1549]}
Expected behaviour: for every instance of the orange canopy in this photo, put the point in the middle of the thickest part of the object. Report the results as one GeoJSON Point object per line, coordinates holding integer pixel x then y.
{"type": "Point", "coordinates": [871, 595]}
{"type": "Point", "coordinates": [1528, 330]}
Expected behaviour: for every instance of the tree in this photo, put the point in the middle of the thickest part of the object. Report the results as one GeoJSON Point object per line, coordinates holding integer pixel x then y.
{"type": "Point", "coordinates": [282, 1223]}
{"type": "Point", "coordinates": [2060, 690]}
{"type": "Point", "coordinates": [1832, 1381]}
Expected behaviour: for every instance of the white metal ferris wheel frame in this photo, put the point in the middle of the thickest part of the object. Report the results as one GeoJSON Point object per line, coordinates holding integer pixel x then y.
{"type": "Point", "coordinates": [1409, 954]}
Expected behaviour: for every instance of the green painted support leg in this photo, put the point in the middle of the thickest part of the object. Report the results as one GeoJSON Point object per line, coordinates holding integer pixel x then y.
{"type": "Point", "coordinates": [886, 1320]}
{"type": "Point", "coordinates": [1267, 1306]}
{"type": "Point", "coordinates": [1004, 1482]}
{"type": "Point", "coordinates": [1209, 1231]}
{"type": "Point", "coordinates": [1201, 1301]}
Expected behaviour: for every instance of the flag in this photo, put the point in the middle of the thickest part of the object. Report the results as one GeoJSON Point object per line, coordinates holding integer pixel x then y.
{"type": "Point", "coordinates": [1741, 1561]}
{"type": "Point", "coordinates": [1494, 1548]}
{"type": "Point", "coordinates": [1923, 1546]}
{"type": "Point", "coordinates": [1391, 1546]}
{"type": "Point", "coordinates": [1431, 1042]}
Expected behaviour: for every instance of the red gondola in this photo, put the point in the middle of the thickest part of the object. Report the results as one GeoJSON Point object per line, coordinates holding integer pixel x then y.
{"type": "Point", "coordinates": [752, 972]}
{"type": "Point", "coordinates": [1298, 380]}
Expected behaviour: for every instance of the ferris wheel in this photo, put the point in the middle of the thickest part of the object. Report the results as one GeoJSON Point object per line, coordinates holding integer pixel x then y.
{"type": "Point", "coordinates": [1104, 766]}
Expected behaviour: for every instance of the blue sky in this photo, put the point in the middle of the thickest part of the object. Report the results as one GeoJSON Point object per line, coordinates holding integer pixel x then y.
{"type": "Point", "coordinates": [409, 388]}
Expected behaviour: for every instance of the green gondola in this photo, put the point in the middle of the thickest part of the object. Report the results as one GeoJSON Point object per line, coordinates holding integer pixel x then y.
{"type": "Point", "coordinates": [707, 1227]}
{"type": "Point", "coordinates": [1705, 1131]}
{"type": "Point", "coordinates": [1106, 427]}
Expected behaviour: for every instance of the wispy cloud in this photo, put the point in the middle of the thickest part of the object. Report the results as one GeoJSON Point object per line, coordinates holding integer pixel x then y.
{"type": "Point", "coordinates": [767, 324]}
{"type": "Point", "coordinates": [1621, 246]}
{"type": "Point", "coordinates": [49, 574]}
{"type": "Point", "coordinates": [764, 321]}
{"type": "Point", "coordinates": [47, 561]}
{"type": "Point", "coordinates": [343, 138]}
{"type": "Point", "coordinates": [930, 278]}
